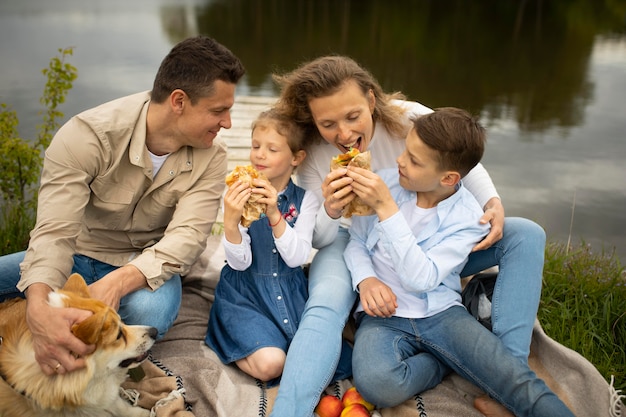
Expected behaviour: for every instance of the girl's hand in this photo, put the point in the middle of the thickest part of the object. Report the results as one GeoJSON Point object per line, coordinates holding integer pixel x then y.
{"type": "Point", "coordinates": [377, 299]}
{"type": "Point", "coordinates": [494, 214]}
{"type": "Point", "coordinates": [269, 197]}
{"type": "Point", "coordinates": [373, 191]}
{"type": "Point", "coordinates": [337, 192]}
{"type": "Point", "coordinates": [234, 200]}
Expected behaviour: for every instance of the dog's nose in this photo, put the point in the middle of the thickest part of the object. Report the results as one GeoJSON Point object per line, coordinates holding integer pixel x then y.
{"type": "Point", "coordinates": [152, 332]}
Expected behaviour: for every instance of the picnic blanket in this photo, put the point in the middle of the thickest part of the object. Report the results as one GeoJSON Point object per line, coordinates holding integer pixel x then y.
{"type": "Point", "coordinates": [184, 378]}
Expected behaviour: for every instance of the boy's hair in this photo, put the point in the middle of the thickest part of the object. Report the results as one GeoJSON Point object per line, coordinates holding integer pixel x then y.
{"type": "Point", "coordinates": [456, 135]}
{"type": "Point", "coordinates": [193, 65]}
{"type": "Point", "coordinates": [324, 76]}
{"type": "Point", "coordinates": [284, 125]}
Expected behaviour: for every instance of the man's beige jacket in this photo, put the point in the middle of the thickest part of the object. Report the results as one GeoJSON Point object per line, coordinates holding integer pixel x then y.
{"type": "Point", "coordinates": [98, 198]}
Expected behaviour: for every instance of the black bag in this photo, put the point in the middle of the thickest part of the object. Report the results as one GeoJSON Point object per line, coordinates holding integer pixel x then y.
{"type": "Point", "coordinates": [477, 295]}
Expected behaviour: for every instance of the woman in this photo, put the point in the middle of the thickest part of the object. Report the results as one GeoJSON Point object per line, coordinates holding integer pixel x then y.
{"type": "Point", "coordinates": [342, 106]}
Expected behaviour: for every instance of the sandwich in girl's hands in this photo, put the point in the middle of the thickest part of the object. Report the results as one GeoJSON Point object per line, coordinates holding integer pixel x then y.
{"type": "Point", "coordinates": [358, 159]}
{"type": "Point", "coordinates": [252, 210]}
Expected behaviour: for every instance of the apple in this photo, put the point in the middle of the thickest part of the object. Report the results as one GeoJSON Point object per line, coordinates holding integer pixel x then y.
{"type": "Point", "coordinates": [329, 406]}
{"type": "Point", "coordinates": [352, 396]}
{"type": "Point", "coordinates": [355, 410]}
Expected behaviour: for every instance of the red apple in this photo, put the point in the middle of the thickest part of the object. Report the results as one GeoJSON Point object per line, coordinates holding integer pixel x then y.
{"type": "Point", "coordinates": [355, 410]}
{"type": "Point", "coordinates": [329, 406]}
{"type": "Point", "coordinates": [352, 396]}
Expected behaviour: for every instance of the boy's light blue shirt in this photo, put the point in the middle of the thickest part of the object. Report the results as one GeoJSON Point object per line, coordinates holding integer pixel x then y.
{"type": "Point", "coordinates": [427, 266]}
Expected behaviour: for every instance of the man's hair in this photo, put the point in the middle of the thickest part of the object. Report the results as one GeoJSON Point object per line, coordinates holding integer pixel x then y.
{"type": "Point", "coordinates": [193, 65]}
{"type": "Point", "coordinates": [456, 135]}
{"type": "Point", "coordinates": [284, 125]}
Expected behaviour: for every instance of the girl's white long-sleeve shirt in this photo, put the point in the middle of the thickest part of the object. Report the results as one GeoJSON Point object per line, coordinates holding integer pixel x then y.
{"type": "Point", "coordinates": [294, 245]}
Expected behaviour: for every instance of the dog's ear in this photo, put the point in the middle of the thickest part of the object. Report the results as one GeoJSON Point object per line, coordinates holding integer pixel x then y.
{"type": "Point", "coordinates": [90, 329]}
{"type": "Point", "coordinates": [76, 284]}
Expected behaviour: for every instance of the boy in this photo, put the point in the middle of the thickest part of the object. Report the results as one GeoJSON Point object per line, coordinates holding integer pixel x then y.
{"type": "Point", "coordinates": [405, 262]}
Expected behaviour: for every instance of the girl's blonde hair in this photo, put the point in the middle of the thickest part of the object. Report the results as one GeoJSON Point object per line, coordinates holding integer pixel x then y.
{"type": "Point", "coordinates": [284, 125]}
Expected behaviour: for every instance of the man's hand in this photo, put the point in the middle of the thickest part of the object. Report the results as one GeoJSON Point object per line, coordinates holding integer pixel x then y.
{"type": "Point", "coordinates": [377, 298]}
{"type": "Point", "coordinates": [116, 284]}
{"type": "Point", "coordinates": [494, 214]}
{"type": "Point", "coordinates": [56, 348]}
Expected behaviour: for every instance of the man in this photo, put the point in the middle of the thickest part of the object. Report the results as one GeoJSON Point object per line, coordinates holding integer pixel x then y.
{"type": "Point", "coordinates": [129, 192]}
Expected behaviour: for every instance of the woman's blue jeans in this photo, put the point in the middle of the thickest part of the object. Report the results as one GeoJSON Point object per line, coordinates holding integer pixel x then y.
{"type": "Point", "coordinates": [395, 358]}
{"type": "Point", "coordinates": [315, 350]}
{"type": "Point", "coordinates": [144, 307]}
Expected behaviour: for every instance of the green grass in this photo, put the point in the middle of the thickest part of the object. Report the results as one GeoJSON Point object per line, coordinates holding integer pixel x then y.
{"type": "Point", "coordinates": [583, 306]}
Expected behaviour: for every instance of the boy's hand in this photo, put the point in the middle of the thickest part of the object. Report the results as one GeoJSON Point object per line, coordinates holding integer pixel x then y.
{"type": "Point", "coordinates": [377, 299]}
{"type": "Point", "coordinates": [373, 191]}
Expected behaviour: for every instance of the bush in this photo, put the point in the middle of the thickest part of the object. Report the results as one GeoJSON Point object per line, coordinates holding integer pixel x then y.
{"type": "Point", "coordinates": [21, 159]}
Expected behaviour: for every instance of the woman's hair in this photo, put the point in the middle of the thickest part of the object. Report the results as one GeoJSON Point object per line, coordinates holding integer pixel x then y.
{"type": "Point", "coordinates": [325, 76]}
{"type": "Point", "coordinates": [284, 125]}
{"type": "Point", "coordinates": [193, 65]}
{"type": "Point", "coordinates": [457, 137]}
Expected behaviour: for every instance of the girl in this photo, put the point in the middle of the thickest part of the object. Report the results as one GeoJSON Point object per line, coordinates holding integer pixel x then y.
{"type": "Point", "coordinates": [262, 289]}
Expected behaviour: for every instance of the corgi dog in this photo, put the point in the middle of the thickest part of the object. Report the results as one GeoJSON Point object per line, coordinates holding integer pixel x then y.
{"type": "Point", "coordinates": [92, 391]}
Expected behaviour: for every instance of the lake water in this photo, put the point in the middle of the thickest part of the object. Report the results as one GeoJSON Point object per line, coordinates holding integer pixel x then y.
{"type": "Point", "coordinates": [547, 78]}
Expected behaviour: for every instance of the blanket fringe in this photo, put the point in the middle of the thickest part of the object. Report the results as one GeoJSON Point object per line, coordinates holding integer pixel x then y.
{"type": "Point", "coordinates": [172, 396]}
{"type": "Point", "coordinates": [616, 398]}
{"type": "Point", "coordinates": [130, 395]}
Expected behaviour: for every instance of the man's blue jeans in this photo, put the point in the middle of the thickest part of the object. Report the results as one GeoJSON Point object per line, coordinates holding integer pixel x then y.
{"type": "Point", "coordinates": [144, 307]}
{"type": "Point", "coordinates": [395, 358]}
{"type": "Point", "coordinates": [315, 350]}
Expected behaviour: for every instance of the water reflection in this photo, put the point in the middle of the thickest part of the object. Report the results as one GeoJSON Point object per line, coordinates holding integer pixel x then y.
{"type": "Point", "coordinates": [525, 60]}
{"type": "Point", "coordinates": [548, 78]}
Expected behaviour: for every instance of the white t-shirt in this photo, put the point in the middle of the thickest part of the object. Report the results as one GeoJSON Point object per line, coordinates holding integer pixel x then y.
{"type": "Point", "coordinates": [157, 162]}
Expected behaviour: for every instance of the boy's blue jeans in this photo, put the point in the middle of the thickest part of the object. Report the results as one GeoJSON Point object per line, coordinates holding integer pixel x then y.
{"type": "Point", "coordinates": [144, 307]}
{"type": "Point", "coordinates": [395, 358]}
{"type": "Point", "coordinates": [314, 352]}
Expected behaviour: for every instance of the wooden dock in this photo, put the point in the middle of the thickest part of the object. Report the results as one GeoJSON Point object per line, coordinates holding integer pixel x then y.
{"type": "Point", "coordinates": [243, 113]}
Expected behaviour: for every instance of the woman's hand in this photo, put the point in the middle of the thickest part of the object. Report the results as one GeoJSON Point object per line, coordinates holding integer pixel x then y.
{"type": "Point", "coordinates": [377, 299]}
{"type": "Point", "coordinates": [337, 192]}
{"type": "Point", "coordinates": [494, 214]}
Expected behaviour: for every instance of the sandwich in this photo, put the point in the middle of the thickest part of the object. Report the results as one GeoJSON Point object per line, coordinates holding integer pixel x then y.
{"type": "Point", "coordinates": [252, 210]}
{"type": "Point", "coordinates": [359, 159]}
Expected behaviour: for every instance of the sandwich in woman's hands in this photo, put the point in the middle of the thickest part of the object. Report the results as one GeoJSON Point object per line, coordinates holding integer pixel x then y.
{"type": "Point", "coordinates": [252, 209]}
{"type": "Point", "coordinates": [358, 159]}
